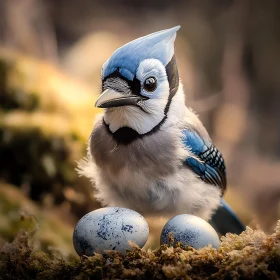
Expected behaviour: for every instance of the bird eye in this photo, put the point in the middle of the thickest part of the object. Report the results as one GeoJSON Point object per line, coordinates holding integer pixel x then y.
{"type": "Point", "coordinates": [150, 84]}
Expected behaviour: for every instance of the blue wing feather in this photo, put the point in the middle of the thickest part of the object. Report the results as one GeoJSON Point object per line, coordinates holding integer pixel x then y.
{"type": "Point", "coordinates": [210, 167]}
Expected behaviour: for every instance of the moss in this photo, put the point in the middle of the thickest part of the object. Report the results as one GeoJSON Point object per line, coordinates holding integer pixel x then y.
{"type": "Point", "coordinates": [45, 121]}
{"type": "Point", "coordinates": [28, 157]}
{"type": "Point", "coordinates": [252, 255]}
{"type": "Point", "coordinates": [18, 213]}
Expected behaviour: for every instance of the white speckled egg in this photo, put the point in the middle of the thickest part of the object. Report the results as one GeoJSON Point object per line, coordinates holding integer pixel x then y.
{"type": "Point", "coordinates": [190, 230]}
{"type": "Point", "coordinates": [109, 228]}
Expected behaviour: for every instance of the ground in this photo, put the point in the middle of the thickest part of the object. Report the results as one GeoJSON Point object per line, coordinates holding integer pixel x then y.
{"type": "Point", "coordinates": [252, 255]}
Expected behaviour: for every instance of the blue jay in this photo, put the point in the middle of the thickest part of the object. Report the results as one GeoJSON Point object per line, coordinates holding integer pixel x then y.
{"type": "Point", "coordinates": [148, 151]}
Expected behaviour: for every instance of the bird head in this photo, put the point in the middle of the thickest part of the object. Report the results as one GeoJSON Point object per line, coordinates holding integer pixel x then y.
{"type": "Point", "coordinates": [139, 82]}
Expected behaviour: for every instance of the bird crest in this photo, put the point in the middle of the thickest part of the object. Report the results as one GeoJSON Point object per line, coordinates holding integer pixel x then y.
{"type": "Point", "coordinates": [126, 59]}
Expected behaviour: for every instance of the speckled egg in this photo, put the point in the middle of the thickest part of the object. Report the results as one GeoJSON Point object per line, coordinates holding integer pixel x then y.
{"type": "Point", "coordinates": [189, 230]}
{"type": "Point", "coordinates": [109, 228]}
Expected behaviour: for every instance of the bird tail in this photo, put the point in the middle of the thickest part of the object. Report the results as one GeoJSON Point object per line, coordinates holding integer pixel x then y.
{"type": "Point", "coordinates": [225, 220]}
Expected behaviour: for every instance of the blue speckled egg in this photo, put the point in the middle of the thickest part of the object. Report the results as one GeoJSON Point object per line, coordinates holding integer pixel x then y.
{"type": "Point", "coordinates": [109, 228]}
{"type": "Point", "coordinates": [189, 230]}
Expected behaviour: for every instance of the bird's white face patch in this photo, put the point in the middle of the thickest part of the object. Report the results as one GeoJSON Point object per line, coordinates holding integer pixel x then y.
{"type": "Point", "coordinates": [158, 98]}
{"type": "Point", "coordinates": [153, 68]}
{"type": "Point", "coordinates": [151, 112]}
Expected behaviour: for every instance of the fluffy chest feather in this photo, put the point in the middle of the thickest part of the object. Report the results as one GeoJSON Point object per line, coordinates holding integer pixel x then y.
{"type": "Point", "coordinates": [139, 175]}
{"type": "Point", "coordinates": [155, 156]}
{"type": "Point", "coordinates": [147, 175]}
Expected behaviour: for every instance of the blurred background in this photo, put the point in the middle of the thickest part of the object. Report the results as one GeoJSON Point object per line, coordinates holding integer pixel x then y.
{"type": "Point", "coordinates": [51, 53]}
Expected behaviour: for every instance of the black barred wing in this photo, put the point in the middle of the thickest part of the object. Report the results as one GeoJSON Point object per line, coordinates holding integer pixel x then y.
{"type": "Point", "coordinates": [211, 168]}
{"type": "Point", "coordinates": [216, 172]}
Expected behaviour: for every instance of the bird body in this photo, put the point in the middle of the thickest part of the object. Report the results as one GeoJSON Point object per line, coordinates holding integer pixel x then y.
{"type": "Point", "coordinates": [149, 175]}
{"type": "Point", "coordinates": [148, 151]}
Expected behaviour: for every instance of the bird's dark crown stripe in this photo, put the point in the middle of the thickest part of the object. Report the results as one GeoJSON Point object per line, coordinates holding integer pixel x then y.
{"type": "Point", "coordinates": [126, 135]}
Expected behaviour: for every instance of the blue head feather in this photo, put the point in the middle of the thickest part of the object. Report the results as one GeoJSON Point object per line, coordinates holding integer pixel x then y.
{"type": "Point", "coordinates": [158, 45]}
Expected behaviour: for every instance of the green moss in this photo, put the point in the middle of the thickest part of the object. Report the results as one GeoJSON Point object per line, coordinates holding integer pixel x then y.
{"type": "Point", "coordinates": [18, 213]}
{"type": "Point", "coordinates": [45, 121]}
{"type": "Point", "coordinates": [28, 157]}
{"type": "Point", "coordinates": [13, 97]}
{"type": "Point", "coordinates": [252, 255]}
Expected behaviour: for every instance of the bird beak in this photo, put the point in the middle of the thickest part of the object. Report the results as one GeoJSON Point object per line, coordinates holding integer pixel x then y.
{"type": "Point", "coordinates": [111, 98]}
